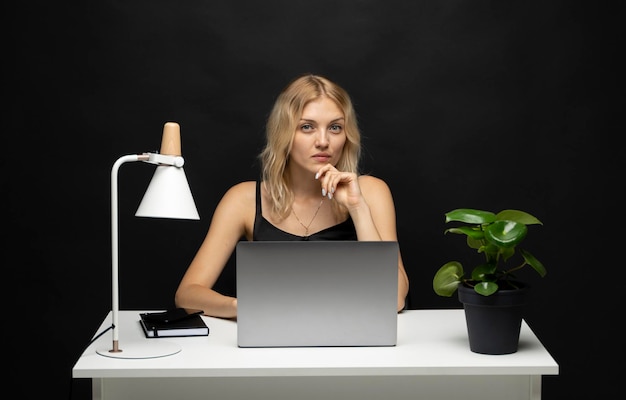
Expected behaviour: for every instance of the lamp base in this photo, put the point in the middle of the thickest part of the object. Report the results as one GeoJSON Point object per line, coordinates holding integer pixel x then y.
{"type": "Point", "coordinates": [138, 350]}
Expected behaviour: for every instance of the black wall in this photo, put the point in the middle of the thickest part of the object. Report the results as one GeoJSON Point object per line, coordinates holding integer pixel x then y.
{"type": "Point", "coordinates": [480, 104]}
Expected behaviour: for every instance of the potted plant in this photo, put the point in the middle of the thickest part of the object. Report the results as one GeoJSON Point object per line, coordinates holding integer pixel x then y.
{"type": "Point", "coordinates": [492, 296]}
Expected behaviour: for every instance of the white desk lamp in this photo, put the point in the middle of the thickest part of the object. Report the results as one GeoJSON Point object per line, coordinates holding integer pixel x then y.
{"type": "Point", "coordinates": [167, 196]}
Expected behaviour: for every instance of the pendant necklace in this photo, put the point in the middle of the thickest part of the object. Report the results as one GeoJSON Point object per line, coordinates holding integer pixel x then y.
{"type": "Point", "coordinates": [306, 227]}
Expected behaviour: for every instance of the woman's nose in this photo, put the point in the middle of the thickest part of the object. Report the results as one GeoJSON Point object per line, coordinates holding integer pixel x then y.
{"type": "Point", "coordinates": [322, 139]}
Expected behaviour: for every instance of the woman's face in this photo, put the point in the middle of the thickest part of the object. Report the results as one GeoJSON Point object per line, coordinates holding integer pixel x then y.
{"type": "Point", "coordinates": [319, 136]}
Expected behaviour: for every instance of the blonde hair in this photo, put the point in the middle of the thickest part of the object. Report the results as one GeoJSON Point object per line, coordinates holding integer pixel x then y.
{"type": "Point", "coordinates": [281, 127]}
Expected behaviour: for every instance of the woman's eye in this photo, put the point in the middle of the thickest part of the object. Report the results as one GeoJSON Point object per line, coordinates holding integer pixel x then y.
{"type": "Point", "coordinates": [336, 128]}
{"type": "Point", "coordinates": [306, 127]}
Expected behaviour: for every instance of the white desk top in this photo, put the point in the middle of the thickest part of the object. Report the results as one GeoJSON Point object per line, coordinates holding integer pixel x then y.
{"type": "Point", "coordinates": [430, 342]}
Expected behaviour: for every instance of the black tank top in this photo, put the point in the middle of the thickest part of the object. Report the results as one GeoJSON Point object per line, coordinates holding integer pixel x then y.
{"type": "Point", "coordinates": [264, 230]}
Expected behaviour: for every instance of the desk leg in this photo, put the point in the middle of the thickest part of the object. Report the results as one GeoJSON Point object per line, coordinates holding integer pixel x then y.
{"type": "Point", "coordinates": [535, 387]}
{"type": "Point", "coordinates": [96, 389]}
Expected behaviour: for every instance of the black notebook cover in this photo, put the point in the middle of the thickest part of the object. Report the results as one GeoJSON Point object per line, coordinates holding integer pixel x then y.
{"type": "Point", "coordinates": [191, 325]}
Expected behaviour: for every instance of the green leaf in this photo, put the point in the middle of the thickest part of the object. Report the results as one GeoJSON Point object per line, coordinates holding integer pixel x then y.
{"type": "Point", "coordinates": [518, 216]}
{"type": "Point", "coordinates": [448, 278]}
{"type": "Point", "coordinates": [486, 288]}
{"type": "Point", "coordinates": [470, 216]}
{"type": "Point", "coordinates": [475, 243]}
{"type": "Point", "coordinates": [533, 262]}
{"type": "Point", "coordinates": [491, 251]}
{"type": "Point", "coordinates": [474, 233]}
{"type": "Point", "coordinates": [484, 272]}
{"type": "Point", "coordinates": [506, 233]}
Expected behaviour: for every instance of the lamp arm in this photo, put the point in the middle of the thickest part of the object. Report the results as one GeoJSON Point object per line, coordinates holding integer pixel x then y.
{"type": "Point", "coordinates": [115, 307]}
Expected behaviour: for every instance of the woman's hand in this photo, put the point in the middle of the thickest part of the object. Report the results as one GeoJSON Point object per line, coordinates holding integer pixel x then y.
{"type": "Point", "coordinates": [341, 186]}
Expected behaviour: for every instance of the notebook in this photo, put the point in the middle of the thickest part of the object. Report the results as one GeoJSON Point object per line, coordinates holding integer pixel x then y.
{"type": "Point", "coordinates": [316, 293]}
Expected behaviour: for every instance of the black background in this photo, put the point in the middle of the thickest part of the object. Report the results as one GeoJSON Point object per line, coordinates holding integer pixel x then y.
{"type": "Point", "coordinates": [478, 104]}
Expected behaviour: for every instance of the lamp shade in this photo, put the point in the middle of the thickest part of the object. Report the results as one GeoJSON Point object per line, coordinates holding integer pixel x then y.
{"type": "Point", "coordinates": [168, 195]}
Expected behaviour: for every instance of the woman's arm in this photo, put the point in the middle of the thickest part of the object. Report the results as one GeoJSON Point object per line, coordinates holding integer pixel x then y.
{"type": "Point", "coordinates": [371, 207]}
{"type": "Point", "coordinates": [233, 219]}
{"type": "Point", "coordinates": [378, 201]}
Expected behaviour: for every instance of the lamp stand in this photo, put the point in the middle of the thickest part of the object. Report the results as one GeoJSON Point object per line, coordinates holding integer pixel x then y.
{"type": "Point", "coordinates": [148, 349]}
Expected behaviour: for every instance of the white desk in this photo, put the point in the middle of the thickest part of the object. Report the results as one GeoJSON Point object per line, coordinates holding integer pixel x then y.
{"type": "Point", "coordinates": [431, 361]}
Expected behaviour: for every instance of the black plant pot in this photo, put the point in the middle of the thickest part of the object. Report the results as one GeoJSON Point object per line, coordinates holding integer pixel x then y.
{"type": "Point", "coordinates": [493, 322]}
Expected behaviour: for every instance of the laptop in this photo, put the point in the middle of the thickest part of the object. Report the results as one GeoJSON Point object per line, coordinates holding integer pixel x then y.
{"type": "Point", "coordinates": [316, 293]}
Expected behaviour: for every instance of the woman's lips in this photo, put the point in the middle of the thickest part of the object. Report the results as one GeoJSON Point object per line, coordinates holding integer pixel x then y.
{"type": "Point", "coordinates": [321, 158]}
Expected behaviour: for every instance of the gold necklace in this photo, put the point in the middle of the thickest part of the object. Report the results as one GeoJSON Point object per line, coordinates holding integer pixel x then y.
{"type": "Point", "coordinates": [306, 227]}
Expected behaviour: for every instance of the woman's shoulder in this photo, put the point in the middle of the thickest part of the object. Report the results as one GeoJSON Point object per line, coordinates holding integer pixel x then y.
{"type": "Point", "coordinates": [374, 189]}
{"type": "Point", "coordinates": [370, 182]}
{"type": "Point", "coordinates": [243, 187]}
{"type": "Point", "coordinates": [241, 192]}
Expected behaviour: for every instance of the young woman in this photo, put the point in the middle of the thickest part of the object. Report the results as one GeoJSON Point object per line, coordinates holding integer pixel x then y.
{"type": "Point", "coordinates": [310, 189]}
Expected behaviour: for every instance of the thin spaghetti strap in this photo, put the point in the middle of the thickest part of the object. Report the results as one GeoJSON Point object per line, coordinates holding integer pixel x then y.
{"type": "Point", "coordinates": [259, 213]}
{"type": "Point", "coordinates": [258, 199]}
